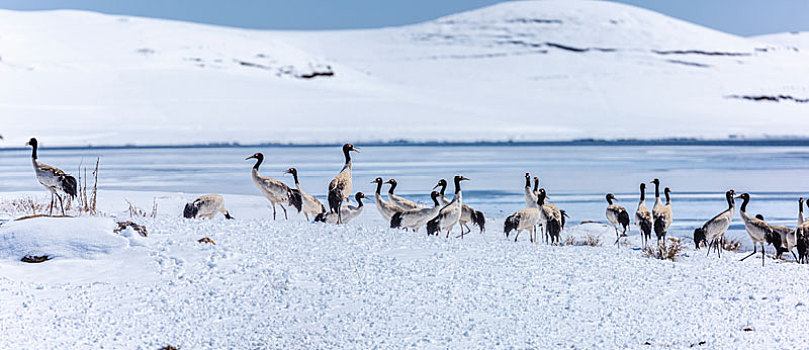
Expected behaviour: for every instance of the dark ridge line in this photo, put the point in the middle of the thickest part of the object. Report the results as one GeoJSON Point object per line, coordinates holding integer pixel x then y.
{"type": "Point", "coordinates": [769, 98]}
{"type": "Point", "coordinates": [699, 52]}
{"type": "Point", "coordinates": [579, 49]}
{"type": "Point", "coordinates": [693, 64]}
{"type": "Point", "coordinates": [734, 142]}
{"type": "Point", "coordinates": [534, 20]}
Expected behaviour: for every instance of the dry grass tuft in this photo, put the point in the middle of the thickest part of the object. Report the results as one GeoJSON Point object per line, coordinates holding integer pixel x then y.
{"type": "Point", "coordinates": [87, 203]}
{"type": "Point", "coordinates": [665, 251]}
{"type": "Point", "coordinates": [35, 259]}
{"type": "Point", "coordinates": [25, 205]}
{"type": "Point", "coordinates": [206, 240]}
{"type": "Point", "coordinates": [168, 347]}
{"type": "Point", "coordinates": [570, 240]}
{"type": "Point", "coordinates": [732, 245]}
{"type": "Point", "coordinates": [592, 240]}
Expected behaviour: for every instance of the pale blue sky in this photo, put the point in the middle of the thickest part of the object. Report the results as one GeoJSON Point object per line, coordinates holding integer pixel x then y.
{"type": "Point", "coordinates": [743, 17]}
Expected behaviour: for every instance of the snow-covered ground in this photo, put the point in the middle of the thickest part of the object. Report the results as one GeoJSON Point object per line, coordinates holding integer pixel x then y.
{"type": "Point", "coordinates": [534, 70]}
{"type": "Point", "coordinates": [292, 284]}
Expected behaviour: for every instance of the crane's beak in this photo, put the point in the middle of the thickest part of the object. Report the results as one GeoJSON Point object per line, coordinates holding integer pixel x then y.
{"type": "Point", "coordinates": [464, 178]}
{"type": "Point", "coordinates": [355, 149]}
{"type": "Point", "coordinates": [436, 186]}
{"type": "Point", "coordinates": [738, 197]}
{"type": "Point", "coordinates": [250, 157]}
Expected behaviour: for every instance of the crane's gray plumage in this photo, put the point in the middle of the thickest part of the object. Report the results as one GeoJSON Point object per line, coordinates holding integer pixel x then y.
{"type": "Point", "coordinates": [643, 217]}
{"type": "Point", "coordinates": [309, 204]}
{"type": "Point", "coordinates": [401, 202]}
{"type": "Point", "coordinates": [340, 186]}
{"type": "Point", "coordinates": [762, 233]}
{"type": "Point", "coordinates": [523, 220]}
{"type": "Point", "coordinates": [414, 219]}
{"type": "Point", "coordinates": [206, 207]}
{"type": "Point", "coordinates": [468, 214]}
{"type": "Point", "coordinates": [348, 212]}
{"type": "Point", "coordinates": [551, 217]}
{"type": "Point", "coordinates": [273, 189]}
{"type": "Point", "coordinates": [56, 181]}
{"type": "Point", "coordinates": [385, 209]}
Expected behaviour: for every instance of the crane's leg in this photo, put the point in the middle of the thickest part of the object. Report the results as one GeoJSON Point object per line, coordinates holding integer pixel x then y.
{"type": "Point", "coordinates": [710, 245]}
{"type": "Point", "coordinates": [617, 237]}
{"type": "Point", "coordinates": [517, 235]}
{"type": "Point", "coordinates": [285, 212]}
{"type": "Point", "coordinates": [793, 255]}
{"type": "Point", "coordinates": [273, 210]}
{"type": "Point", "coordinates": [61, 204]}
{"type": "Point", "coordinates": [755, 248]}
{"type": "Point", "coordinates": [50, 208]}
{"type": "Point", "coordinates": [762, 254]}
{"type": "Point", "coordinates": [306, 215]}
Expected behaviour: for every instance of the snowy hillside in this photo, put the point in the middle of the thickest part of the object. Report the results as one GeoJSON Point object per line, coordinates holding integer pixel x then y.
{"type": "Point", "coordinates": [534, 70]}
{"type": "Point", "coordinates": [797, 40]}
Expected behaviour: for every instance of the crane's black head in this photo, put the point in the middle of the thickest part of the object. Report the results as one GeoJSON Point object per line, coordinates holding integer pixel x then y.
{"type": "Point", "coordinates": [441, 183]}
{"type": "Point", "coordinates": [32, 142]}
{"type": "Point", "coordinates": [460, 178]}
{"type": "Point", "coordinates": [541, 195]}
{"type": "Point", "coordinates": [257, 155]}
{"type": "Point", "coordinates": [190, 211]}
{"type": "Point", "coordinates": [699, 238]}
{"type": "Point", "coordinates": [643, 186]}
{"type": "Point", "coordinates": [611, 197]}
{"type": "Point", "coordinates": [743, 196]}
{"type": "Point", "coordinates": [760, 217]}
{"type": "Point", "coordinates": [667, 191]}
{"type": "Point", "coordinates": [349, 147]}
{"type": "Point", "coordinates": [392, 182]}
{"type": "Point", "coordinates": [434, 194]}
{"type": "Point", "coordinates": [527, 175]}
{"type": "Point", "coordinates": [292, 171]}
{"type": "Point", "coordinates": [360, 195]}
{"type": "Point", "coordinates": [800, 201]}
{"type": "Point", "coordinates": [656, 182]}
{"type": "Point", "coordinates": [377, 181]}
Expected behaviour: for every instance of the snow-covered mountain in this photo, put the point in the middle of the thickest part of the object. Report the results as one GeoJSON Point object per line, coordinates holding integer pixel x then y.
{"type": "Point", "coordinates": [533, 70]}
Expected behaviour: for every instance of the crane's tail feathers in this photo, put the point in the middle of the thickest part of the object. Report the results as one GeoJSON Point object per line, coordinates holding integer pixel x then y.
{"type": "Point", "coordinates": [227, 215]}
{"type": "Point", "coordinates": [335, 201]}
{"type": "Point", "coordinates": [396, 220]}
{"type": "Point", "coordinates": [295, 199]}
{"type": "Point", "coordinates": [69, 186]}
{"type": "Point", "coordinates": [479, 220]}
{"type": "Point", "coordinates": [320, 217]}
{"type": "Point", "coordinates": [623, 219]}
{"type": "Point", "coordinates": [699, 237]}
{"type": "Point", "coordinates": [660, 228]}
{"type": "Point", "coordinates": [190, 211]}
{"type": "Point", "coordinates": [564, 215]}
{"type": "Point", "coordinates": [511, 224]}
{"type": "Point", "coordinates": [554, 227]}
{"type": "Point", "coordinates": [646, 229]}
{"type": "Point", "coordinates": [432, 226]}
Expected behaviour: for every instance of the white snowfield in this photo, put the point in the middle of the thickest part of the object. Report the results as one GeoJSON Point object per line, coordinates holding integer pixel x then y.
{"type": "Point", "coordinates": [523, 71]}
{"type": "Point", "coordinates": [295, 285]}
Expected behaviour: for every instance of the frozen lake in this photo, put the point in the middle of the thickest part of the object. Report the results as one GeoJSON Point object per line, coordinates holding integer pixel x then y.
{"type": "Point", "coordinates": [576, 176]}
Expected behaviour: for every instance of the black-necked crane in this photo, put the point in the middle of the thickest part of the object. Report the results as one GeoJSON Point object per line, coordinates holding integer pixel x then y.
{"type": "Point", "coordinates": [759, 231]}
{"type": "Point", "coordinates": [617, 216]}
{"type": "Point", "coordinates": [525, 219]}
{"type": "Point", "coordinates": [450, 214]}
{"type": "Point", "coordinates": [273, 189]}
{"type": "Point", "coordinates": [385, 209]}
{"type": "Point", "coordinates": [206, 207]}
{"type": "Point", "coordinates": [801, 220]}
{"type": "Point", "coordinates": [468, 214]}
{"type": "Point", "coordinates": [643, 217]}
{"type": "Point", "coordinates": [714, 229]}
{"type": "Point", "coordinates": [552, 217]}
{"type": "Point", "coordinates": [414, 219]}
{"type": "Point", "coordinates": [552, 208]}
{"type": "Point", "coordinates": [340, 186]}
{"type": "Point", "coordinates": [661, 213]}
{"type": "Point", "coordinates": [802, 234]}
{"type": "Point", "coordinates": [56, 181]}
{"type": "Point", "coordinates": [401, 202]}
{"type": "Point", "coordinates": [348, 212]}
{"type": "Point", "coordinates": [309, 204]}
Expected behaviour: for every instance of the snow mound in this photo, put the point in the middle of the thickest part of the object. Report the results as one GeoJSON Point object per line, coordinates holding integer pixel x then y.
{"type": "Point", "coordinates": [82, 238]}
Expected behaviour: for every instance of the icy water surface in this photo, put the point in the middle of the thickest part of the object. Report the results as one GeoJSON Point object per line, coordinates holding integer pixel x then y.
{"type": "Point", "coordinates": [576, 177]}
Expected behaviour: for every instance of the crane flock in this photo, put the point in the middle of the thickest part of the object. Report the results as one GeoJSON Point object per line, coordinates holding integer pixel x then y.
{"type": "Point", "coordinates": [443, 214]}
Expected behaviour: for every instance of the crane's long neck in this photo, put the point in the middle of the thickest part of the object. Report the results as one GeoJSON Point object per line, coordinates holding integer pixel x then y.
{"type": "Point", "coordinates": [527, 182]}
{"type": "Point", "coordinates": [800, 212]}
{"type": "Point", "coordinates": [642, 194]}
{"type": "Point", "coordinates": [259, 160]}
{"type": "Point", "coordinates": [392, 187]}
{"type": "Point", "coordinates": [657, 190]}
{"type": "Point", "coordinates": [378, 188]}
{"type": "Point", "coordinates": [295, 176]}
{"type": "Point", "coordinates": [359, 201]}
{"type": "Point", "coordinates": [348, 159]}
{"type": "Point", "coordinates": [541, 200]}
{"type": "Point", "coordinates": [435, 201]}
{"type": "Point", "coordinates": [743, 209]}
{"type": "Point", "coordinates": [609, 200]}
{"type": "Point", "coordinates": [457, 186]}
{"type": "Point", "coordinates": [732, 202]}
{"type": "Point", "coordinates": [536, 184]}
{"type": "Point", "coordinates": [443, 188]}
{"type": "Point", "coordinates": [34, 151]}
{"type": "Point", "coordinates": [668, 199]}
